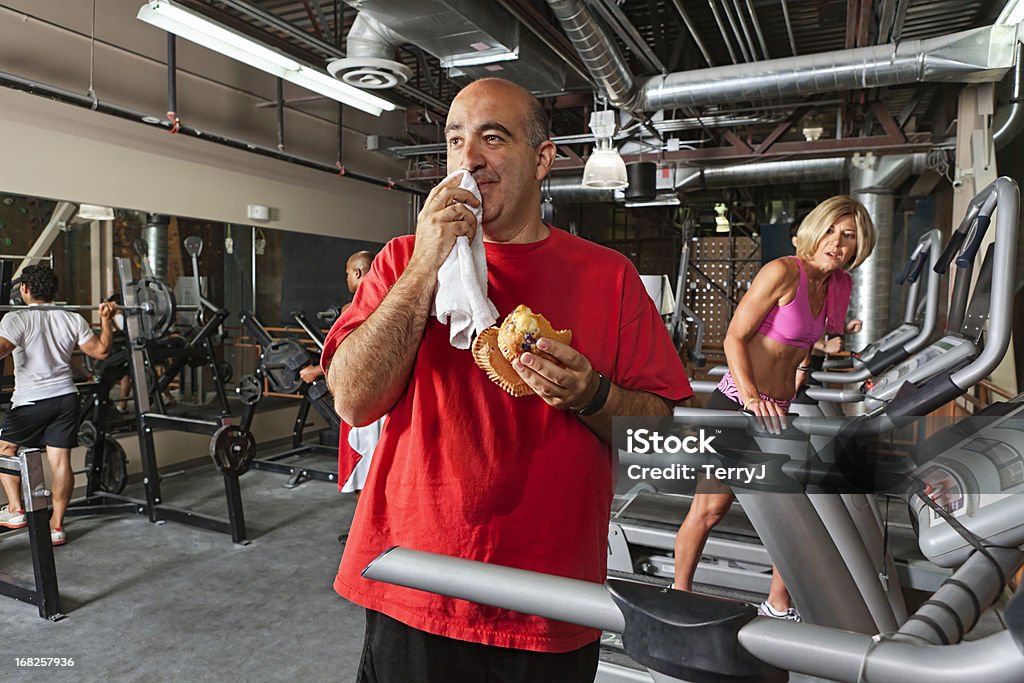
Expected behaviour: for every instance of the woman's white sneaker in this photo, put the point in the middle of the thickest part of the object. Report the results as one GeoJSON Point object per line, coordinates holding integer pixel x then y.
{"type": "Point", "coordinates": [765, 609]}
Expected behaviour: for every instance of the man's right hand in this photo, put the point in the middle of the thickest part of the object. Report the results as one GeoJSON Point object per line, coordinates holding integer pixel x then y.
{"type": "Point", "coordinates": [443, 218]}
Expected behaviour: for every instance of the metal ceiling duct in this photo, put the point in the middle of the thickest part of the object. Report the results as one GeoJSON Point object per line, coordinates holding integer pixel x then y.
{"type": "Point", "coordinates": [1007, 123]}
{"type": "Point", "coordinates": [600, 54]}
{"type": "Point", "coordinates": [471, 39]}
{"type": "Point", "coordinates": [155, 235]}
{"type": "Point", "coordinates": [875, 188]}
{"type": "Point", "coordinates": [569, 190]}
{"type": "Point", "coordinates": [978, 55]}
{"type": "Point", "coordinates": [763, 173]}
{"type": "Point", "coordinates": [370, 62]}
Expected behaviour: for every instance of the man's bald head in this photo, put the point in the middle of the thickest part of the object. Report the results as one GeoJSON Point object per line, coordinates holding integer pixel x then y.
{"type": "Point", "coordinates": [356, 268]}
{"type": "Point", "coordinates": [536, 121]}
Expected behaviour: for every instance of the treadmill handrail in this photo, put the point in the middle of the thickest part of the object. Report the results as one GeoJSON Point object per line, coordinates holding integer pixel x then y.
{"type": "Point", "coordinates": [834, 395]}
{"type": "Point", "coordinates": [831, 653]}
{"type": "Point", "coordinates": [932, 241]}
{"type": "Point", "coordinates": [814, 426]}
{"type": "Point", "coordinates": [1000, 312]}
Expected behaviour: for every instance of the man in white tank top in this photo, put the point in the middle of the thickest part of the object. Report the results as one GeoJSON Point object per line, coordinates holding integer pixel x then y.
{"type": "Point", "coordinates": [44, 407]}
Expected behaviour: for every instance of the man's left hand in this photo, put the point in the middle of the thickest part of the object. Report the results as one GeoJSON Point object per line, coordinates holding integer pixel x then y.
{"type": "Point", "coordinates": [108, 309]}
{"type": "Point", "coordinates": [568, 386]}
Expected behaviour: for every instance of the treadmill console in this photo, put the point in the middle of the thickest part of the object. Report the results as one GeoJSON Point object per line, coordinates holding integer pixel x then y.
{"type": "Point", "coordinates": [979, 481]}
{"type": "Point", "coordinates": [945, 355]}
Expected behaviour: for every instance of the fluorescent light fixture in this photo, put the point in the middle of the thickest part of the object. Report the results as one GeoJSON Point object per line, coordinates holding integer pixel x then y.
{"type": "Point", "coordinates": [1012, 14]}
{"type": "Point", "coordinates": [202, 31]}
{"type": "Point", "coordinates": [480, 59]}
{"type": "Point", "coordinates": [660, 200]}
{"type": "Point", "coordinates": [605, 169]}
{"type": "Point", "coordinates": [92, 212]}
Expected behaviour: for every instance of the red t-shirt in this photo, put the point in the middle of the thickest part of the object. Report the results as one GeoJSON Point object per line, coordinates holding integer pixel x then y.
{"type": "Point", "coordinates": [464, 469]}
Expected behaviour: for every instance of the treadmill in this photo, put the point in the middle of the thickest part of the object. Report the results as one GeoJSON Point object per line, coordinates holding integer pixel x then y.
{"type": "Point", "coordinates": [974, 524]}
{"type": "Point", "coordinates": [734, 562]}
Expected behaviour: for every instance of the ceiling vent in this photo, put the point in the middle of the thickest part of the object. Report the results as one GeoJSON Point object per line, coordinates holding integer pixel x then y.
{"type": "Point", "coordinates": [471, 39]}
{"type": "Point", "coordinates": [370, 47]}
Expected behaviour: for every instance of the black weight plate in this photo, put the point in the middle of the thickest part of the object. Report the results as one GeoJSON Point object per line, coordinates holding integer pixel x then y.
{"type": "Point", "coordinates": [225, 370]}
{"type": "Point", "coordinates": [232, 449]}
{"type": "Point", "coordinates": [87, 434]}
{"type": "Point", "coordinates": [249, 390]}
{"type": "Point", "coordinates": [111, 368]}
{"type": "Point", "coordinates": [114, 469]}
{"type": "Point", "coordinates": [158, 321]}
{"type": "Point", "coordinates": [282, 361]}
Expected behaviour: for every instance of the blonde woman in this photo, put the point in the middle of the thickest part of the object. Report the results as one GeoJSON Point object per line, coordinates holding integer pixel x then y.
{"type": "Point", "coordinates": [790, 304]}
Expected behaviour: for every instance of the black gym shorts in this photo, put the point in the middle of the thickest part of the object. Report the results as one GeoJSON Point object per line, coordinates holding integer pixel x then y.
{"type": "Point", "coordinates": [396, 653]}
{"type": "Point", "coordinates": [49, 422]}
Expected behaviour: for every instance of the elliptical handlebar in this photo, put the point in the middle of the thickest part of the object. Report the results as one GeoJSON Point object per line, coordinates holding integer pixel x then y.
{"type": "Point", "coordinates": [955, 240]}
{"type": "Point", "coordinates": [982, 204]}
{"type": "Point", "coordinates": [970, 249]}
{"type": "Point", "coordinates": [915, 270]}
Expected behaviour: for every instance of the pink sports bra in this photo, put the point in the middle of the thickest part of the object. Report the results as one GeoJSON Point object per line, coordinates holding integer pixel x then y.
{"type": "Point", "coordinates": [792, 324]}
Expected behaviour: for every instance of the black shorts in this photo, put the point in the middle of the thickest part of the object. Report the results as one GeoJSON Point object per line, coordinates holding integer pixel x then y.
{"type": "Point", "coordinates": [49, 422]}
{"type": "Point", "coordinates": [396, 653]}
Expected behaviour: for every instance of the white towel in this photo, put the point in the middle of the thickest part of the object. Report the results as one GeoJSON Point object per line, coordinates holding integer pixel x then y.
{"type": "Point", "coordinates": [363, 441]}
{"type": "Point", "coordinates": [461, 300]}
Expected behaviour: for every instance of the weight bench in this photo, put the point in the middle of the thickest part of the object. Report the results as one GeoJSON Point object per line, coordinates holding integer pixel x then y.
{"type": "Point", "coordinates": [36, 499]}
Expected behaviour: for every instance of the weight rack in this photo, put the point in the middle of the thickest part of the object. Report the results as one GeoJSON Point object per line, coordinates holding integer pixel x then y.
{"type": "Point", "coordinates": [231, 447]}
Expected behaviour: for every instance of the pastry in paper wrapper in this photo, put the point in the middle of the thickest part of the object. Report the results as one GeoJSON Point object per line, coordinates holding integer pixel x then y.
{"type": "Point", "coordinates": [489, 358]}
{"type": "Point", "coordinates": [521, 331]}
{"type": "Point", "coordinates": [495, 348]}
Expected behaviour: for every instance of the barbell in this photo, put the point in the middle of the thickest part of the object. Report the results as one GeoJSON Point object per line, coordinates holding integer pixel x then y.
{"type": "Point", "coordinates": [157, 309]}
{"type": "Point", "coordinates": [146, 307]}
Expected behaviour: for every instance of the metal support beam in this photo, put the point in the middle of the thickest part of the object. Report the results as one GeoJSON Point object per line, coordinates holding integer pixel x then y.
{"type": "Point", "coordinates": [852, 17]}
{"type": "Point", "coordinates": [878, 144]}
{"type": "Point", "coordinates": [864, 23]}
{"type": "Point", "coordinates": [789, 27]}
{"type": "Point", "coordinates": [889, 125]}
{"type": "Point", "coordinates": [60, 219]}
{"type": "Point", "coordinates": [693, 31]}
{"type": "Point", "coordinates": [737, 142]}
{"type": "Point", "coordinates": [781, 130]}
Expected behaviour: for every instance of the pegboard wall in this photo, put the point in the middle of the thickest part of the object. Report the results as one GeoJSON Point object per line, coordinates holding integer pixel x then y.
{"type": "Point", "coordinates": [651, 256]}
{"type": "Point", "coordinates": [729, 264]}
